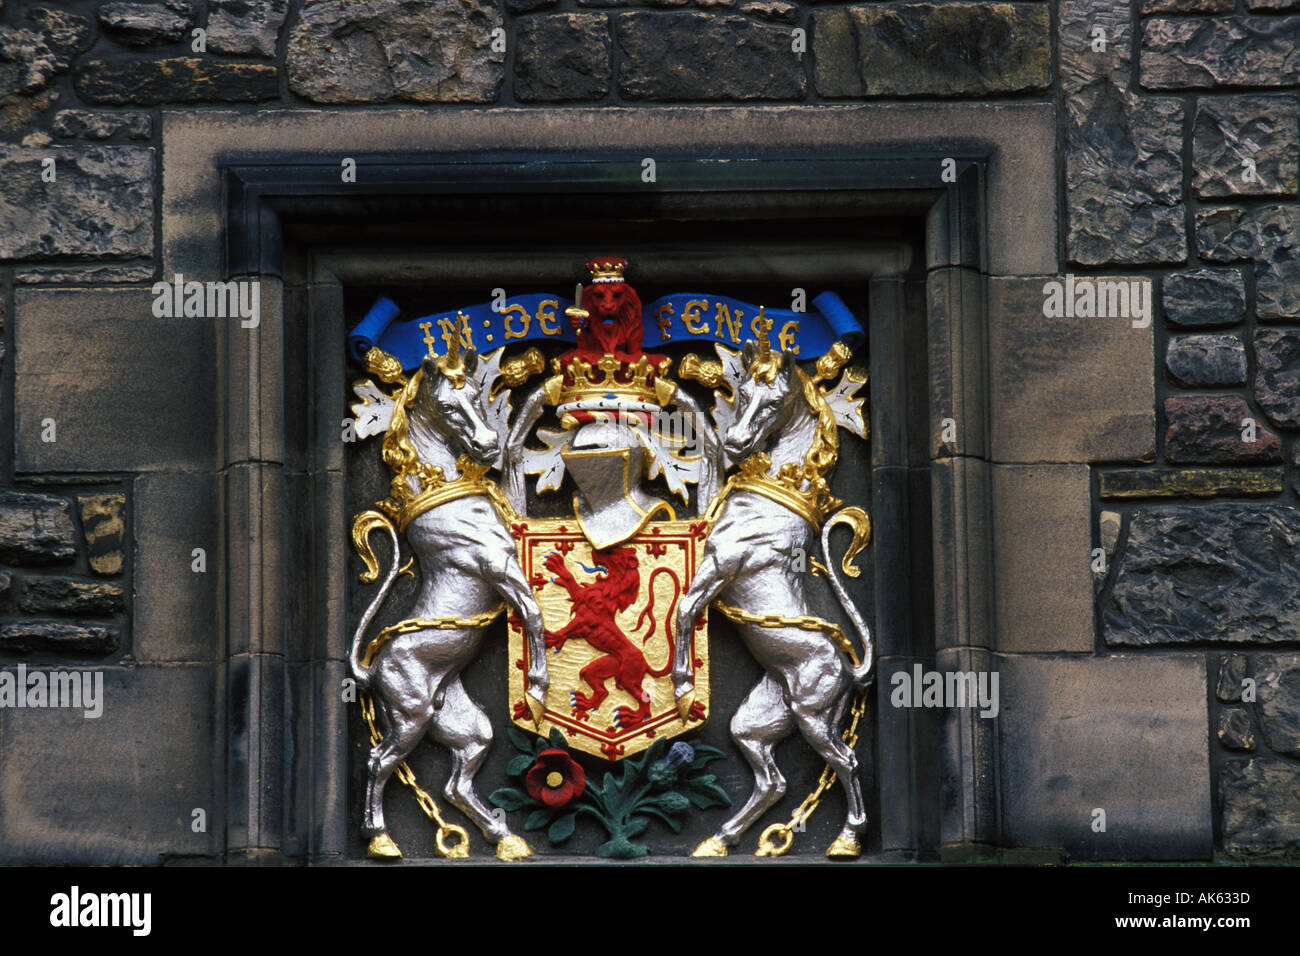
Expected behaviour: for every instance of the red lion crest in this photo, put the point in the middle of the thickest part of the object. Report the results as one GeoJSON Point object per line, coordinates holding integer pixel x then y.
{"type": "Point", "coordinates": [595, 605]}
{"type": "Point", "coordinates": [613, 324]}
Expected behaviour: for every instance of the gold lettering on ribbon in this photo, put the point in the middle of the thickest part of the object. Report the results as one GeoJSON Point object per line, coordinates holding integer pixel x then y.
{"type": "Point", "coordinates": [664, 318]}
{"type": "Point", "coordinates": [428, 338]}
{"type": "Point", "coordinates": [546, 317]}
{"type": "Point", "coordinates": [448, 329]}
{"type": "Point", "coordinates": [691, 317]}
{"type": "Point", "coordinates": [786, 340]}
{"type": "Point", "coordinates": [733, 325]}
{"type": "Point", "coordinates": [511, 310]}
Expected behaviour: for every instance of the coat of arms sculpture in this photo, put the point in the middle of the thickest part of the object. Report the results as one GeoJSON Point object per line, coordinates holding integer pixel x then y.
{"type": "Point", "coordinates": [670, 511]}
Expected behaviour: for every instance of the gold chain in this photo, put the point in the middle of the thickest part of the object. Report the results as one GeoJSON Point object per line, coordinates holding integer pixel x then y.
{"type": "Point", "coordinates": [805, 622]}
{"type": "Point", "coordinates": [428, 624]}
{"type": "Point", "coordinates": [404, 773]}
{"type": "Point", "coordinates": [768, 844]}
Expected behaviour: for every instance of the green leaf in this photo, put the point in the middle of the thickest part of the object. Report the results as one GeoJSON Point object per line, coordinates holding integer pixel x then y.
{"type": "Point", "coordinates": [521, 740]}
{"type": "Point", "coordinates": [519, 765]}
{"type": "Point", "coordinates": [600, 817]}
{"type": "Point", "coordinates": [613, 797]}
{"type": "Point", "coordinates": [539, 818]}
{"type": "Point", "coordinates": [557, 739]}
{"type": "Point", "coordinates": [703, 754]}
{"type": "Point", "coordinates": [636, 826]}
{"type": "Point", "coordinates": [700, 800]}
{"type": "Point", "coordinates": [722, 798]}
{"type": "Point", "coordinates": [562, 828]}
{"type": "Point", "coordinates": [672, 823]}
{"type": "Point", "coordinates": [509, 798]}
{"type": "Point", "coordinates": [703, 780]}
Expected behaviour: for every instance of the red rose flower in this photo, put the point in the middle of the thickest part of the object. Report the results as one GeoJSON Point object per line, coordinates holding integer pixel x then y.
{"type": "Point", "coordinates": [555, 778]}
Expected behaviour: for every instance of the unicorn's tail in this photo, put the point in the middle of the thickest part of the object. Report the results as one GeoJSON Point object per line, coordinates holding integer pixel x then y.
{"type": "Point", "coordinates": [856, 519]}
{"type": "Point", "coordinates": [365, 523]}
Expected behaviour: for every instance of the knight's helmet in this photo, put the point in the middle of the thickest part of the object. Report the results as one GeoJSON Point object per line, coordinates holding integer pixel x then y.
{"type": "Point", "coordinates": [605, 402]}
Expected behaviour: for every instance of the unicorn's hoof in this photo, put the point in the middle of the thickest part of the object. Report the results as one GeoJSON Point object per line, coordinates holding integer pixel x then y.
{"type": "Point", "coordinates": [711, 847]}
{"type": "Point", "coordinates": [513, 847]}
{"type": "Point", "coordinates": [845, 847]}
{"type": "Point", "coordinates": [382, 847]}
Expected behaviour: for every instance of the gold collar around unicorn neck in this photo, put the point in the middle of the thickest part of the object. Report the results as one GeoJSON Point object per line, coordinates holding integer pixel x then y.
{"type": "Point", "coordinates": [803, 489]}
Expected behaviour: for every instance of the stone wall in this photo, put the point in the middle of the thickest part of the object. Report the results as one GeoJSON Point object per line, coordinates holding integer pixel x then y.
{"type": "Point", "coordinates": [1177, 146]}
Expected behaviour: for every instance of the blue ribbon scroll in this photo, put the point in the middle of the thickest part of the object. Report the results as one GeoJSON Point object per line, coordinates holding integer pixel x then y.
{"type": "Point", "coordinates": [673, 319]}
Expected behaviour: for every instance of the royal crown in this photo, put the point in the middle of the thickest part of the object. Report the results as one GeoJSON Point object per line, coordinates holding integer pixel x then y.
{"type": "Point", "coordinates": [610, 380]}
{"type": "Point", "coordinates": [607, 269]}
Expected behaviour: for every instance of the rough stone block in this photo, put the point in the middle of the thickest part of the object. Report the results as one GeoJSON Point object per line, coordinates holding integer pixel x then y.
{"type": "Point", "coordinates": [104, 529]}
{"type": "Point", "coordinates": [1233, 233]}
{"type": "Point", "coordinates": [108, 418]}
{"type": "Point", "coordinates": [100, 204]}
{"type": "Point", "coordinates": [1270, 235]}
{"type": "Point", "coordinates": [74, 274]}
{"type": "Point", "coordinates": [1206, 360]}
{"type": "Point", "coordinates": [1261, 808]}
{"type": "Point", "coordinates": [1186, 6]}
{"type": "Point", "coordinates": [1123, 177]}
{"type": "Point", "coordinates": [772, 10]}
{"type": "Point", "coordinates": [1188, 482]}
{"type": "Point", "coordinates": [1204, 298]}
{"type": "Point", "coordinates": [1066, 389]}
{"type": "Point", "coordinates": [937, 49]}
{"type": "Point", "coordinates": [59, 637]}
{"type": "Point", "coordinates": [700, 56]}
{"type": "Point", "coordinates": [1206, 572]}
{"type": "Point", "coordinates": [1216, 430]}
{"type": "Point", "coordinates": [1071, 733]}
{"type": "Point", "coordinates": [563, 56]}
{"type": "Point", "coordinates": [248, 27]}
{"type": "Point", "coordinates": [1232, 669]}
{"type": "Point", "coordinates": [120, 788]}
{"type": "Point", "coordinates": [375, 51]}
{"type": "Point", "coordinates": [1277, 291]}
{"type": "Point", "coordinates": [146, 24]}
{"type": "Point", "coordinates": [36, 529]}
{"type": "Point", "coordinates": [1041, 551]}
{"type": "Point", "coordinates": [41, 48]}
{"type": "Point", "coordinates": [1246, 145]}
{"type": "Point", "coordinates": [1082, 65]}
{"type": "Point", "coordinates": [69, 596]}
{"type": "Point", "coordinates": [1235, 732]}
{"type": "Point", "coordinates": [94, 124]}
{"type": "Point", "coordinates": [1277, 376]}
{"type": "Point", "coordinates": [179, 79]}
{"type": "Point", "coordinates": [1277, 692]}
{"type": "Point", "coordinates": [1208, 53]}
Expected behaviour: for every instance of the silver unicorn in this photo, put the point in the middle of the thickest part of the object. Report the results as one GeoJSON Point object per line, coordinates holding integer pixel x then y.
{"type": "Point", "coordinates": [749, 561]}
{"type": "Point", "coordinates": [468, 563]}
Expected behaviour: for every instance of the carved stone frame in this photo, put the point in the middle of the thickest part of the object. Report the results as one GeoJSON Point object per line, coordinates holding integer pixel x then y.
{"type": "Point", "coordinates": [286, 726]}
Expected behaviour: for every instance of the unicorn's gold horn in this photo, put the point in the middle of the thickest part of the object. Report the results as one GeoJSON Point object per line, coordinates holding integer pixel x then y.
{"type": "Point", "coordinates": [451, 364]}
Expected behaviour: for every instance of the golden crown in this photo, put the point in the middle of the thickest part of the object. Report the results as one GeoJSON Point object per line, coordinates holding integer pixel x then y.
{"type": "Point", "coordinates": [608, 269]}
{"type": "Point", "coordinates": [609, 379]}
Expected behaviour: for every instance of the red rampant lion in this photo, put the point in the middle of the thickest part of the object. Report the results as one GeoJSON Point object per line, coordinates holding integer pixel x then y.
{"type": "Point", "coordinates": [595, 606]}
{"type": "Point", "coordinates": [613, 324]}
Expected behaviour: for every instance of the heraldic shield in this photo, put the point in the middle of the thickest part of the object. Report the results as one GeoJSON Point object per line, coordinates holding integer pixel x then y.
{"type": "Point", "coordinates": [602, 513]}
{"type": "Point", "coordinates": [609, 618]}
